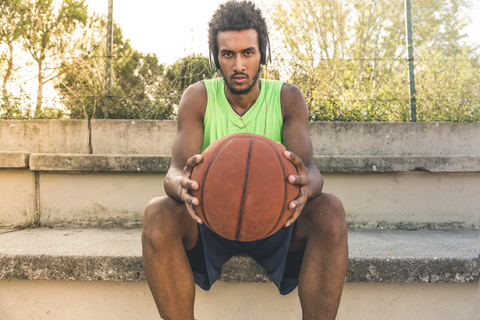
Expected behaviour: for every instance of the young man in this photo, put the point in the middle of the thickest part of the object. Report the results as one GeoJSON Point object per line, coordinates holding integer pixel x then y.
{"type": "Point", "coordinates": [311, 250]}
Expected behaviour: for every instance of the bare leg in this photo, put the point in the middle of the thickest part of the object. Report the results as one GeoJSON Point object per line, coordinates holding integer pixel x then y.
{"type": "Point", "coordinates": [168, 230]}
{"type": "Point", "coordinates": [321, 229]}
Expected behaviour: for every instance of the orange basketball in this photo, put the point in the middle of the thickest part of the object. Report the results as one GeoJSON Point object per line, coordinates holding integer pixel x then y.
{"type": "Point", "coordinates": [243, 189]}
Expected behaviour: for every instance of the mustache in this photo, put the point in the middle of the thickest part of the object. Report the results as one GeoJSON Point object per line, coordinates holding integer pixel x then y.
{"type": "Point", "coordinates": [239, 74]}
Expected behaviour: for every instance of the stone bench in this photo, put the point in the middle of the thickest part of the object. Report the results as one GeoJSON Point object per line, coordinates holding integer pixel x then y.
{"type": "Point", "coordinates": [114, 254]}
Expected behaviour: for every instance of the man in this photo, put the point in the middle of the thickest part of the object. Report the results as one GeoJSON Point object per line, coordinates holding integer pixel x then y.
{"type": "Point", "coordinates": [311, 250]}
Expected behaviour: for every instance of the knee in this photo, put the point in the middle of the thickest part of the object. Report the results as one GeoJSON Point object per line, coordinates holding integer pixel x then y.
{"type": "Point", "coordinates": [328, 215]}
{"type": "Point", "coordinates": [158, 217]}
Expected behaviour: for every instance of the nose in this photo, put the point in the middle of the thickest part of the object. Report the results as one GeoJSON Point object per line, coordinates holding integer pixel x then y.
{"type": "Point", "coordinates": [238, 65]}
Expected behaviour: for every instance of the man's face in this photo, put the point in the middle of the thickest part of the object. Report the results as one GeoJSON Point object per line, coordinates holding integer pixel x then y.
{"type": "Point", "coordinates": [239, 58]}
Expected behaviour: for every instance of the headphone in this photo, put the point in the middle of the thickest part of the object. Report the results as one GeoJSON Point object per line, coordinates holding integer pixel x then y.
{"type": "Point", "coordinates": [264, 59]}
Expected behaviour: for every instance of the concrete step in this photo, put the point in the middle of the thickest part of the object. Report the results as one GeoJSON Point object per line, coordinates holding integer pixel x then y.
{"type": "Point", "coordinates": [84, 274]}
{"type": "Point", "coordinates": [440, 256]}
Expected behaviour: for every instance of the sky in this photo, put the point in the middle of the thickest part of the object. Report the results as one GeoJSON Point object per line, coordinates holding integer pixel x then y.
{"type": "Point", "coordinates": [172, 29]}
{"type": "Point", "coordinates": [169, 28]}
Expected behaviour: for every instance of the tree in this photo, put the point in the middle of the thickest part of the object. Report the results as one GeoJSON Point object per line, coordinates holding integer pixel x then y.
{"type": "Point", "coordinates": [181, 74]}
{"type": "Point", "coordinates": [49, 31]}
{"type": "Point", "coordinates": [10, 30]}
{"type": "Point", "coordinates": [348, 57]}
{"type": "Point", "coordinates": [137, 79]}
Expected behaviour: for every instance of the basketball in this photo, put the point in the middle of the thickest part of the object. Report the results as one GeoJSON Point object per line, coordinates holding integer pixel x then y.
{"type": "Point", "coordinates": [243, 188]}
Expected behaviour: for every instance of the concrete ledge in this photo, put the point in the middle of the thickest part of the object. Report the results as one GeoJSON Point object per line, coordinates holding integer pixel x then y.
{"type": "Point", "coordinates": [115, 255]}
{"type": "Point", "coordinates": [154, 163]}
{"type": "Point", "coordinates": [14, 159]}
{"type": "Point", "coordinates": [398, 163]}
{"type": "Point", "coordinates": [98, 163]}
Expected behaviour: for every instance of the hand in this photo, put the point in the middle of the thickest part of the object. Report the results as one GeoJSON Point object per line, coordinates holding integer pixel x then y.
{"type": "Point", "coordinates": [302, 180]}
{"type": "Point", "coordinates": [186, 185]}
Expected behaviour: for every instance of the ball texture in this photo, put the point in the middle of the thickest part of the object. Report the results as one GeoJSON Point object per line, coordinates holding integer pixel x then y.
{"type": "Point", "coordinates": [243, 188]}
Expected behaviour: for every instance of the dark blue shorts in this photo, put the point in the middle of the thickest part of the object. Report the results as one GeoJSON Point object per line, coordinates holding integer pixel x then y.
{"type": "Point", "coordinates": [212, 251]}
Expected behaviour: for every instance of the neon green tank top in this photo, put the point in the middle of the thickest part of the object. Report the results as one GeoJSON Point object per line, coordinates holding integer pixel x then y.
{"type": "Point", "coordinates": [221, 120]}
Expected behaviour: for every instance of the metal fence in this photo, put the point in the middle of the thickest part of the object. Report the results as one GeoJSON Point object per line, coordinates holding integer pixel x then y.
{"type": "Point", "coordinates": [352, 61]}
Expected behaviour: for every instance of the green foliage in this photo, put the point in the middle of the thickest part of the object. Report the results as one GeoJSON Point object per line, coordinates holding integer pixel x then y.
{"type": "Point", "coordinates": [183, 73]}
{"type": "Point", "coordinates": [13, 107]}
{"type": "Point", "coordinates": [135, 81]}
{"type": "Point", "coordinates": [448, 91]}
{"type": "Point", "coordinates": [48, 28]}
{"type": "Point", "coordinates": [142, 87]}
{"type": "Point", "coordinates": [349, 58]}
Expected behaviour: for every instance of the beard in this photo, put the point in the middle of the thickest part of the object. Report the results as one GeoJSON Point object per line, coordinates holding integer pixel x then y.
{"type": "Point", "coordinates": [246, 90]}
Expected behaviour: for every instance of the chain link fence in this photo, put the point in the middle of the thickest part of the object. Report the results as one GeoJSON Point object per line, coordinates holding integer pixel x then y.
{"type": "Point", "coordinates": [350, 58]}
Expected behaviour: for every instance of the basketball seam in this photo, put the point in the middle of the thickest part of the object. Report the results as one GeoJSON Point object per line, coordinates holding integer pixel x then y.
{"type": "Point", "coordinates": [205, 177]}
{"type": "Point", "coordinates": [244, 192]}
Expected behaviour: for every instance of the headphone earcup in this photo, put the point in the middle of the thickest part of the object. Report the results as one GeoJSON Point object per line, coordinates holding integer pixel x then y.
{"type": "Point", "coordinates": [268, 54]}
{"type": "Point", "coordinates": [211, 60]}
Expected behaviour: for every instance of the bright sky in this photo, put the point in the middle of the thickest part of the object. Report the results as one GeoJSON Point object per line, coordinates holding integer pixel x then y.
{"type": "Point", "coordinates": [169, 28]}
{"type": "Point", "coordinates": [173, 29]}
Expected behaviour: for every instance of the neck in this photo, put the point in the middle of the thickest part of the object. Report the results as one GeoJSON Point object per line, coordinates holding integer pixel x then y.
{"type": "Point", "coordinates": [242, 102]}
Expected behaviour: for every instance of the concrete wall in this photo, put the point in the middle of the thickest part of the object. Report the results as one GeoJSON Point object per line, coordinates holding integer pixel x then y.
{"type": "Point", "coordinates": [156, 137]}
{"type": "Point", "coordinates": [54, 300]}
{"type": "Point", "coordinates": [420, 199]}
{"type": "Point", "coordinates": [97, 199]}
{"type": "Point", "coordinates": [49, 136]}
{"type": "Point", "coordinates": [378, 200]}
{"type": "Point", "coordinates": [17, 196]}
{"type": "Point", "coordinates": [378, 138]}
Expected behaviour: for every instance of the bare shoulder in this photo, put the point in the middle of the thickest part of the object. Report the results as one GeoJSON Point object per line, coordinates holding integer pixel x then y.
{"type": "Point", "coordinates": [193, 101]}
{"type": "Point", "coordinates": [293, 102]}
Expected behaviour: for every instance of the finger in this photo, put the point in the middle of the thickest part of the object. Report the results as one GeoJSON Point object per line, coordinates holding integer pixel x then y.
{"type": "Point", "coordinates": [297, 206]}
{"type": "Point", "coordinates": [191, 162]}
{"type": "Point", "coordinates": [188, 198]}
{"type": "Point", "coordinates": [297, 161]}
{"type": "Point", "coordinates": [186, 183]}
{"type": "Point", "coordinates": [193, 213]}
{"type": "Point", "coordinates": [302, 180]}
{"type": "Point", "coordinates": [294, 217]}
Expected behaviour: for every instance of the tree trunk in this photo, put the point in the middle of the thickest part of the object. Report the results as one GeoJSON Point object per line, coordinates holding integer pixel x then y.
{"type": "Point", "coordinates": [38, 106]}
{"type": "Point", "coordinates": [9, 69]}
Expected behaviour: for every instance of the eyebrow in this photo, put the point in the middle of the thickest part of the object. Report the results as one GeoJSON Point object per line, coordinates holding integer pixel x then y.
{"type": "Point", "coordinates": [247, 49]}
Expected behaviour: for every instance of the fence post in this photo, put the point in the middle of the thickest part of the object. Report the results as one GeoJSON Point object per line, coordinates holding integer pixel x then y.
{"type": "Point", "coordinates": [108, 64]}
{"type": "Point", "coordinates": [411, 72]}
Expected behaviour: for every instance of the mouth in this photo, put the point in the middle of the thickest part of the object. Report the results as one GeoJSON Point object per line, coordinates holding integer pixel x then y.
{"type": "Point", "coordinates": [239, 79]}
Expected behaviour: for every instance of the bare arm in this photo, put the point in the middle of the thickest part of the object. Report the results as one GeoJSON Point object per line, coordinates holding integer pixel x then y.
{"type": "Point", "coordinates": [187, 146]}
{"type": "Point", "coordinates": [300, 152]}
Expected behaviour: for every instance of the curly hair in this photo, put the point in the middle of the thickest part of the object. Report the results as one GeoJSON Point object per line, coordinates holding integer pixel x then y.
{"type": "Point", "coordinates": [237, 16]}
